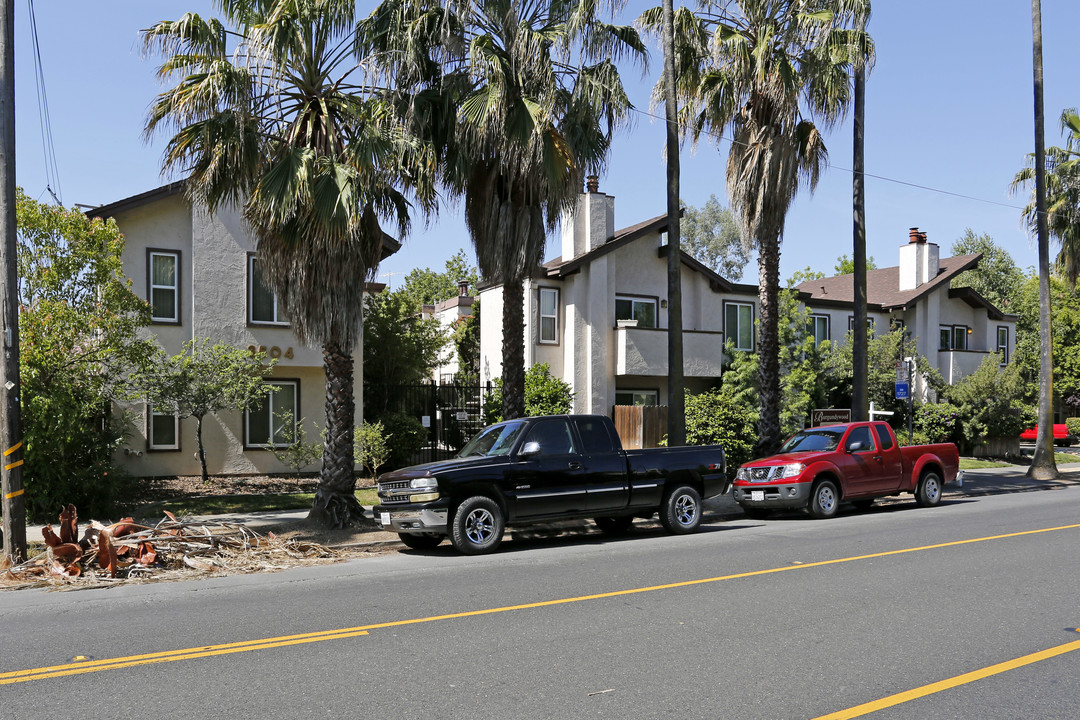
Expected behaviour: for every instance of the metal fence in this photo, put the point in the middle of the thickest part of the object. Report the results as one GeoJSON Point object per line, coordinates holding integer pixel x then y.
{"type": "Point", "coordinates": [450, 413]}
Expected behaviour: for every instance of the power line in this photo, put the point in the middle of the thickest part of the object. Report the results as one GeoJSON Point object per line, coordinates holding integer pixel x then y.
{"type": "Point", "coordinates": [52, 173]}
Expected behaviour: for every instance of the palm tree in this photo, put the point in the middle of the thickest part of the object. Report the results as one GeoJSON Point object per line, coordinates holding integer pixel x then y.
{"type": "Point", "coordinates": [265, 118]}
{"type": "Point", "coordinates": [766, 70]}
{"type": "Point", "coordinates": [522, 98]}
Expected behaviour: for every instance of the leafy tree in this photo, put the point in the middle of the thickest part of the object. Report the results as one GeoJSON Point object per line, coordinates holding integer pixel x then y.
{"type": "Point", "coordinates": [845, 265]}
{"type": "Point", "coordinates": [522, 100]}
{"type": "Point", "coordinates": [300, 453]}
{"type": "Point", "coordinates": [710, 235]}
{"type": "Point", "coordinates": [1065, 332]}
{"type": "Point", "coordinates": [268, 117]}
{"type": "Point", "coordinates": [755, 72]}
{"type": "Point", "coordinates": [424, 286]}
{"type": "Point", "coordinates": [466, 338]}
{"type": "Point", "coordinates": [990, 403]}
{"type": "Point", "coordinates": [938, 422]}
{"type": "Point", "coordinates": [400, 348]}
{"type": "Point", "coordinates": [371, 447]}
{"type": "Point", "coordinates": [203, 379]}
{"type": "Point", "coordinates": [79, 337]}
{"type": "Point", "coordinates": [997, 278]}
{"type": "Point", "coordinates": [544, 395]}
{"type": "Point", "coordinates": [712, 418]}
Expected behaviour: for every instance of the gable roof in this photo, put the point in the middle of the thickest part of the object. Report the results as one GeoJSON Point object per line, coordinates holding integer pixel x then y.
{"type": "Point", "coordinates": [558, 268]}
{"type": "Point", "coordinates": [882, 285]}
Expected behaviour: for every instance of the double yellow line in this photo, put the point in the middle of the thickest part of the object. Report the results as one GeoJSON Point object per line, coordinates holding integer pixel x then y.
{"type": "Point", "coordinates": [78, 668]}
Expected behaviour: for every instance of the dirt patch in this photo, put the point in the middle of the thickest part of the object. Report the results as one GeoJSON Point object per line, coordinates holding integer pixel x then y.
{"type": "Point", "coordinates": [351, 541]}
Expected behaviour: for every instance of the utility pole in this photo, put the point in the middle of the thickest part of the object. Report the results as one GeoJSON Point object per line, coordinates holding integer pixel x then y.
{"type": "Point", "coordinates": [676, 379]}
{"type": "Point", "coordinates": [14, 506]}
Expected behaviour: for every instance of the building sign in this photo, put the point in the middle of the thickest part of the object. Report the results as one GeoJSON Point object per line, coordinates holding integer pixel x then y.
{"type": "Point", "coordinates": [830, 416]}
{"type": "Point", "coordinates": [903, 391]}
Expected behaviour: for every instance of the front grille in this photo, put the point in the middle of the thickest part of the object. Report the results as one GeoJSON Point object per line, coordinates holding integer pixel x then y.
{"type": "Point", "coordinates": [394, 491]}
{"type": "Point", "coordinates": [393, 485]}
{"type": "Point", "coordinates": [763, 474]}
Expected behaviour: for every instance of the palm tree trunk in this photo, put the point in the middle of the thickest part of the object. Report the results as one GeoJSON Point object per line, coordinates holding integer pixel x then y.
{"type": "Point", "coordinates": [859, 347]}
{"type": "Point", "coordinates": [1043, 466]}
{"type": "Point", "coordinates": [335, 502]}
{"type": "Point", "coordinates": [513, 349]}
{"type": "Point", "coordinates": [769, 346]}
{"type": "Point", "coordinates": [676, 429]}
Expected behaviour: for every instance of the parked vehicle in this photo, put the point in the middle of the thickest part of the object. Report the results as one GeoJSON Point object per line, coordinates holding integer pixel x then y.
{"type": "Point", "coordinates": [1062, 436]}
{"type": "Point", "coordinates": [547, 468]}
{"type": "Point", "coordinates": [820, 467]}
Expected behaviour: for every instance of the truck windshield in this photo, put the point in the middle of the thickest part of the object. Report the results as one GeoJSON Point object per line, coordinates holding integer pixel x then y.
{"type": "Point", "coordinates": [812, 441]}
{"type": "Point", "coordinates": [494, 440]}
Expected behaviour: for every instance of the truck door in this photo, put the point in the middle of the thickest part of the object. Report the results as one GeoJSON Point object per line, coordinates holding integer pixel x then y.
{"type": "Point", "coordinates": [551, 478]}
{"type": "Point", "coordinates": [860, 462]}
{"type": "Point", "coordinates": [892, 469]}
{"type": "Point", "coordinates": [608, 486]}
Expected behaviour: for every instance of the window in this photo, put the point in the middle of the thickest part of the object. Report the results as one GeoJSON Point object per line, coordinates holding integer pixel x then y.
{"type": "Point", "coordinates": [549, 315]}
{"type": "Point", "coordinates": [862, 435]}
{"type": "Point", "coordinates": [819, 328]}
{"type": "Point", "coordinates": [739, 325]}
{"type": "Point", "coordinates": [1003, 343]}
{"type": "Point", "coordinates": [637, 397]}
{"type": "Point", "coordinates": [883, 436]}
{"type": "Point", "coordinates": [960, 337]}
{"type": "Point", "coordinates": [553, 436]}
{"type": "Point", "coordinates": [595, 437]}
{"type": "Point", "coordinates": [945, 338]}
{"type": "Point", "coordinates": [633, 308]}
{"type": "Point", "coordinates": [163, 430]}
{"type": "Point", "coordinates": [163, 280]}
{"type": "Point", "coordinates": [262, 302]}
{"type": "Point", "coordinates": [953, 337]}
{"type": "Point", "coordinates": [851, 323]}
{"type": "Point", "coordinates": [274, 422]}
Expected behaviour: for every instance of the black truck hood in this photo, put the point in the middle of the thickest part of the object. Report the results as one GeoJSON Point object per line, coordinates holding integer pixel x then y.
{"type": "Point", "coordinates": [435, 468]}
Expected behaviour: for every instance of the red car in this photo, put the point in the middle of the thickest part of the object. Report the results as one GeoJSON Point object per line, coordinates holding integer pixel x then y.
{"type": "Point", "coordinates": [1062, 436]}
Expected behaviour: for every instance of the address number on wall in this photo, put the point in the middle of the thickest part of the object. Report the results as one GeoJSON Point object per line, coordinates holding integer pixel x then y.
{"type": "Point", "coordinates": [274, 352]}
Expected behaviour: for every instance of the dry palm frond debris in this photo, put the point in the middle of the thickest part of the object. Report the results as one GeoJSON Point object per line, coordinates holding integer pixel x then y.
{"type": "Point", "coordinates": [170, 550]}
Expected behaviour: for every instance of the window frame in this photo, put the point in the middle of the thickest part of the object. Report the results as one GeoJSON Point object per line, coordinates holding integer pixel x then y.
{"type": "Point", "coordinates": [753, 317]}
{"type": "Point", "coordinates": [267, 406]}
{"type": "Point", "coordinates": [654, 394]}
{"type": "Point", "coordinates": [1003, 350]}
{"type": "Point", "coordinates": [871, 323]}
{"type": "Point", "coordinates": [639, 299]}
{"type": "Point", "coordinates": [541, 316]}
{"type": "Point", "coordinates": [814, 318]}
{"type": "Point", "coordinates": [177, 256]}
{"type": "Point", "coordinates": [151, 446]}
{"type": "Point", "coordinates": [960, 331]}
{"type": "Point", "coordinates": [250, 274]}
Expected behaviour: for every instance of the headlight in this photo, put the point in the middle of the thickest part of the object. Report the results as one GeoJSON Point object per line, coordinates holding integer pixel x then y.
{"type": "Point", "coordinates": [743, 474]}
{"type": "Point", "coordinates": [427, 483]}
{"type": "Point", "coordinates": [791, 470]}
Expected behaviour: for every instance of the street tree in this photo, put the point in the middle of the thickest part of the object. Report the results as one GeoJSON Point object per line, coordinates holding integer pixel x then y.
{"type": "Point", "coordinates": [202, 379]}
{"type": "Point", "coordinates": [522, 100]}
{"type": "Point", "coordinates": [267, 115]}
{"type": "Point", "coordinates": [768, 71]}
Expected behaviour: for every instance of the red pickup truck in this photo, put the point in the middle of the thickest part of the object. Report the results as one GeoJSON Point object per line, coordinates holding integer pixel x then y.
{"type": "Point", "coordinates": [820, 467]}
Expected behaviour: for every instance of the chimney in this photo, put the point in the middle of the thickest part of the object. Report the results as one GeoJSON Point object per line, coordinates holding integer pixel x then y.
{"type": "Point", "coordinates": [463, 288]}
{"type": "Point", "coordinates": [591, 224]}
{"type": "Point", "coordinates": [919, 260]}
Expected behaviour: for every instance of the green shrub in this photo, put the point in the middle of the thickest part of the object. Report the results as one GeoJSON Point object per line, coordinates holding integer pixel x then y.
{"type": "Point", "coordinates": [544, 395]}
{"type": "Point", "coordinates": [371, 447]}
{"type": "Point", "coordinates": [1073, 424]}
{"type": "Point", "coordinates": [407, 436]}
{"type": "Point", "coordinates": [990, 404]}
{"type": "Point", "coordinates": [938, 422]}
{"type": "Point", "coordinates": [713, 419]}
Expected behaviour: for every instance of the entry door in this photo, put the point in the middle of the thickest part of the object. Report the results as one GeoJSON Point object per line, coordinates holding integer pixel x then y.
{"type": "Point", "coordinates": [552, 480]}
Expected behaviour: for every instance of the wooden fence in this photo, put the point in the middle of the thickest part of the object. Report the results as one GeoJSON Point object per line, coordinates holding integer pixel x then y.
{"type": "Point", "coordinates": [641, 426]}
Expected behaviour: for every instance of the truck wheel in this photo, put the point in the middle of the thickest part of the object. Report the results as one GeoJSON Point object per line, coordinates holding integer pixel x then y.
{"type": "Point", "coordinates": [681, 511]}
{"type": "Point", "coordinates": [420, 541]}
{"type": "Point", "coordinates": [928, 494]}
{"type": "Point", "coordinates": [477, 527]}
{"type": "Point", "coordinates": [824, 499]}
{"type": "Point", "coordinates": [614, 525]}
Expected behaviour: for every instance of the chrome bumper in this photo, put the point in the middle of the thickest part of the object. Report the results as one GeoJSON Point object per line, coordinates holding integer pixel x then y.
{"type": "Point", "coordinates": [411, 520]}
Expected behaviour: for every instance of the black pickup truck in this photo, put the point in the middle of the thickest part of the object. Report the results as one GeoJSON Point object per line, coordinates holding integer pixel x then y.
{"type": "Point", "coordinates": [541, 469]}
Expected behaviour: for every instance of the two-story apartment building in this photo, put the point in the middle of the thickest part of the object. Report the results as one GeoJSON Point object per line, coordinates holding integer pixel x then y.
{"type": "Point", "coordinates": [598, 313]}
{"type": "Point", "coordinates": [199, 274]}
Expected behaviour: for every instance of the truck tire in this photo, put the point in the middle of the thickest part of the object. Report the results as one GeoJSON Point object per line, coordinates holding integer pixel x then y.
{"type": "Point", "coordinates": [614, 525]}
{"type": "Point", "coordinates": [928, 494]}
{"type": "Point", "coordinates": [680, 512]}
{"type": "Point", "coordinates": [824, 499]}
{"type": "Point", "coordinates": [477, 527]}
{"type": "Point", "coordinates": [420, 541]}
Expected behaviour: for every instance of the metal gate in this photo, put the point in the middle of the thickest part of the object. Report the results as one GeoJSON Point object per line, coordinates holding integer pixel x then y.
{"type": "Point", "coordinates": [450, 413]}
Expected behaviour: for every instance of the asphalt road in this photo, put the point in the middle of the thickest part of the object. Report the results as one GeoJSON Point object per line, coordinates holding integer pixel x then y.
{"type": "Point", "coordinates": [787, 618]}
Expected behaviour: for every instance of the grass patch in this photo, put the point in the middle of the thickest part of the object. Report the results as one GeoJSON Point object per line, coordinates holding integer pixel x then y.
{"type": "Point", "coordinates": [234, 504]}
{"type": "Point", "coordinates": [976, 464]}
{"type": "Point", "coordinates": [1066, 458]}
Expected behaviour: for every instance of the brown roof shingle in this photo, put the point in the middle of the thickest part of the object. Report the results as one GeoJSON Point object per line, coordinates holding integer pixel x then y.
{"type": "Point", "coordinates": [882, 286]}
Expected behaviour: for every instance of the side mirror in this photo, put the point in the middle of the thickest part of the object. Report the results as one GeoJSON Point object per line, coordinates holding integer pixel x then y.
{"type": "Point", "coordinates": [854, 446]}
{"type": "Point", "coordinates": [529, 449]}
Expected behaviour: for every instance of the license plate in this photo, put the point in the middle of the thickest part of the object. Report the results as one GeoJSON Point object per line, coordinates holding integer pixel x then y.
{"type": "Point", "coordinates": [384, 518]}
{"type": "Point", "coordinates": [757, 495]}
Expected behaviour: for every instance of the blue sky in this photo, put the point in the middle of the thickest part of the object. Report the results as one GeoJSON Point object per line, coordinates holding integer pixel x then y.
{"type": "Point", "coordinates": [949, 123]}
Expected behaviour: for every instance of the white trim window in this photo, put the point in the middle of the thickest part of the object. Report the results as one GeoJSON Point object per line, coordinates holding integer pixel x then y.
{"type": "Point", "coordinates": [641, 309]}
{"type": "Point", "coordinates": [274, 421]}
{"type": "Point", "coordinates": [819, 328]}
{"type": "Point", "coordinates": [162, 430]}
{"type": "Point", "coordinates": [953, 337]}
{"type": "Point", "coordinates": [1003, 343]}
{"type": "Point", "coordinates": [549, 315]}
{"type": "Point", "coordinates": [263, 306]}
{"type": "Point", "coordinates": [163, 281]}
{"type": "Point", "coordinates": [739, 325]}
{"type": "Point", "coordinates": [637, 397]}
{"type": "Point", "coordinates": [871, 324]}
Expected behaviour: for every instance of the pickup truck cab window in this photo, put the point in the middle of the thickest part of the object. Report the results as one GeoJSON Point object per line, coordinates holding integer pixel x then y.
{"type": "Point", "coordinates": [553, 437]}
{"type": "Point", "coordinates": [494, 440]}
{"type": "Point", "coordinates": [594, 436]}
{"type": "Point", "coordinates": [860, 440]}
{"type": "Point", "coordinates": [884, 436]}
{"type": "Point", "coordinates": [813, 441]}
